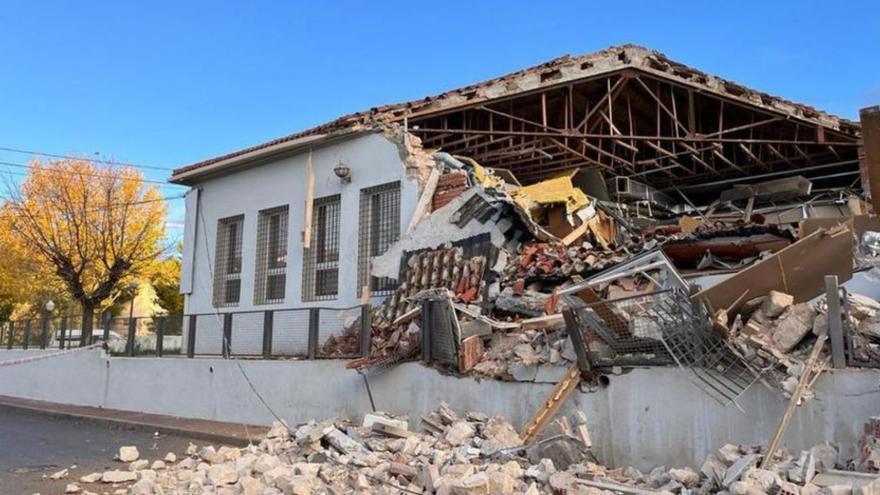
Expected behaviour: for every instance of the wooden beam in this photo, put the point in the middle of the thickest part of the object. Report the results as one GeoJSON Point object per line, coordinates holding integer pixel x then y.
{"type": "Point", "coordinates": [670, 113]}
{"type": "Point", "coordinates": [870, 119]}
{"type": "Point", "coordinates": [748, 151]}
{"type": "Point", "coordinates": [310, 196]}
{"type": "Point", "coordinates": [578, 153]}
{"type": "Point", "coordinates": [552, 404]}
{"type": "Point", "coordinates": [615, 90]}
{"type": "Point", "coordinates": [776, 152]}
{"type": "Point", "coordinates": [561, 134]}
{"type": "Point", "coordinates": [742, 127]}
{"type": "Point", "coordinates": [806, 376]}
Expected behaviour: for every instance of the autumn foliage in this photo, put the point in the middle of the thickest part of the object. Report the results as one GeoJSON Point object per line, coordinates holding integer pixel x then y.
{"type": "Point", "coordinates": [90, 226]}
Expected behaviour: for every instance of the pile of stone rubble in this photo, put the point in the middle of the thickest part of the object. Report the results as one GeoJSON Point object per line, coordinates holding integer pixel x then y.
{"type": "Point", "coordinates": [521, 356]}
{"type": "Point", "coordinates": [772, 332]}
{"type": "Point", "coordinates": [457, 454]}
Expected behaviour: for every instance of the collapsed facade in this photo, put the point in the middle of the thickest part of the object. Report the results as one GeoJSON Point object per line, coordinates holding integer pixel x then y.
{"type": "Point", "coordinates": [591, 213]}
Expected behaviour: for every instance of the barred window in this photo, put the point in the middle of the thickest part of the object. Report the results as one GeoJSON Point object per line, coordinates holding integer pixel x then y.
{"type": "Point", "coordinates": [378, 228]}
{"type": "Point", "coordinates": [227, 262]}
{"type": "Point", "coordinates": [321, 259]}
{"type": "Point", "coordinates": [271, 273]}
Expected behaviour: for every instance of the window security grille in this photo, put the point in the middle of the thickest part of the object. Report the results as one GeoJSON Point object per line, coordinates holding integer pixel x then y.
{"type": "Point", "coordinates": [378, 228]}
{"type": "Point", "coordinates": [271, 270]}
{"type": "Point", "coordinates": [227, 262]}
{"type": "Point", "coordinates": [321, 259]}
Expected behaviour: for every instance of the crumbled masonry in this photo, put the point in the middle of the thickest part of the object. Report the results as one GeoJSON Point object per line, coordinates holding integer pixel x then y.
{"type": "Point", "coordinates": [460, 454]}
{"type": "Point", "coordinates": [527, 245]}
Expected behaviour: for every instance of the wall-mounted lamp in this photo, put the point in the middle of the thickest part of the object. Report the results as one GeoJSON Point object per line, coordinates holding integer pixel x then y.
{"type": "Point", "coordinates": [343, 172]}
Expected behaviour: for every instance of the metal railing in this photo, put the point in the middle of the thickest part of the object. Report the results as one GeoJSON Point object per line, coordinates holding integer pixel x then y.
{"type": "Point", "coordinates": [307, 333]}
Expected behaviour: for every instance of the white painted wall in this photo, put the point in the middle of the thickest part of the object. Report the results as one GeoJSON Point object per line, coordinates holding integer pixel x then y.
{"type": "Point", "coordinates": [373, 160]}
{"type": "Point", "coordinates": [644, 418]}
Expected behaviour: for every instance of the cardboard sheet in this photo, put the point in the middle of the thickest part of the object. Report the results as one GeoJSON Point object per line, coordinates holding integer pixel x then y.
{"type": "Point", "coordinates": [798, 270]}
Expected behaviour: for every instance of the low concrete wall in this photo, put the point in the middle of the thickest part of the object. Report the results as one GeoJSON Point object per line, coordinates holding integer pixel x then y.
{"type": "Point", "coordinates": [646, 417]}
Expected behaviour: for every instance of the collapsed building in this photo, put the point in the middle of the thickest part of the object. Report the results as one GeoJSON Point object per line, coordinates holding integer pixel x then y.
{"type": "Point", "coordinates": [546, 180]}
{"type": "Point", "coordinates": [600, 212]}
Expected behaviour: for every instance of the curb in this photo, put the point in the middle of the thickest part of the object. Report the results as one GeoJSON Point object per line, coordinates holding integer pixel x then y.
{"type": "Point", "coordinates": [139, 425]}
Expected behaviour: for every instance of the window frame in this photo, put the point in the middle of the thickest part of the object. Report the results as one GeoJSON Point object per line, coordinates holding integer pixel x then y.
{"type": "Point", "coordinates": [378, 204]}
{"type": "Point", "coordinates": [228, 260]}
{"type": "Point", "coordinates": [273, 238]}
{"type": "Point", "coordinates": [323, 253]}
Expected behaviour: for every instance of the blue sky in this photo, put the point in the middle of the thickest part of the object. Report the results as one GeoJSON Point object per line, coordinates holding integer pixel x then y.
{"type": "Point", "coordinates": [169, 83]}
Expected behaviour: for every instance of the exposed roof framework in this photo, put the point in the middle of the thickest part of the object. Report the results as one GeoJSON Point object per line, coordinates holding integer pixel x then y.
{"type": "Point", "coordinates": [635, 123]}
{"type": "Point", "coordinates": [626, 110]}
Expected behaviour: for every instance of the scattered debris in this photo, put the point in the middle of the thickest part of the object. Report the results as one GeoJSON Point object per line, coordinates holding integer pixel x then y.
{"type": "Point", "coordinates": [466, 453]}
{"type": "Point", "coordinates": [128, 453]}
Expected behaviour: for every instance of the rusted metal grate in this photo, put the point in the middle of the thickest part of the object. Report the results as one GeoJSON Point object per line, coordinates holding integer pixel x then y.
{"type": "Point", "coordinates": [623, 331]}
{"type": "Point", "coordinates": [378, 228]}
{"type": "Point", "coordinates": [227, 261]}
{"type": "Point", "coordinates": [663, 327]}
{"type": "Point", "coordinates": [321, 259]}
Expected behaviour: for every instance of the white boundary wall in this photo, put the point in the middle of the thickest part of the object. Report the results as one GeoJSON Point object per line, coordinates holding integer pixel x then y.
{"type": "Point", "coordinates": [643, 418]}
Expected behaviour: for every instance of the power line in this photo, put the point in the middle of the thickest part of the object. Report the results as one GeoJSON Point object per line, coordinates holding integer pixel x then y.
{"type": "Point", "coordinates": [82, 174]}
{"type": "Point", "coordinates": [105, 207]}
{"type": "Point", "coordinates": [71, 157]}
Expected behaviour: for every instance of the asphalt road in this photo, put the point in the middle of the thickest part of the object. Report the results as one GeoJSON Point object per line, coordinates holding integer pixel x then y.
{"type": "Point", "coordinates": [33, 446]}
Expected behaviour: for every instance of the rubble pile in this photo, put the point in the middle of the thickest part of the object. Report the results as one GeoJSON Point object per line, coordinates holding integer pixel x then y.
{"type": "Point", "coordinates": [440, 268]}
{"type": "Point", "coordinates": [869, 447]}
{"type": "Point", "coordinates": [521, 355]}
{"type": "Point", "coordinates": [708, 244]}
{"type": "Point", "coordinates": [503, 250]}
{"type": "Point", "coordinates": [456, 454]}
{"type": "Point", "coordinates": [772, 332]}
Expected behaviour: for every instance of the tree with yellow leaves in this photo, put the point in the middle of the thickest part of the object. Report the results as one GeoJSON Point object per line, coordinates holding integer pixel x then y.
{"type": "Point", "coordinates": [26, 281]}
{"type": "Point", "coordinates": [94, 225]}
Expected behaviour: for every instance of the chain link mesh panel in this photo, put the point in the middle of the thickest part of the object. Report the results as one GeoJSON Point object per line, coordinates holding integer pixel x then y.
{"type": "Point", "coordinates": [247, 334]}
{"type": "Point", "coordinates": [664, 327]}
{"type": "Point", "coordinates": [339, 332]}
{"type": "Point", "coordinates": [291, 333]}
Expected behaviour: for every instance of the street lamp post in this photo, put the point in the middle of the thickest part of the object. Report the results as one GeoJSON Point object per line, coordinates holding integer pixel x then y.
{"type": "Point", "coordinates": [132, 323]}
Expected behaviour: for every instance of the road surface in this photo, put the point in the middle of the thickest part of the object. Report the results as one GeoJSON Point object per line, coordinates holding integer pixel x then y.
{"type": "Point", "coordinates": [33, 446]}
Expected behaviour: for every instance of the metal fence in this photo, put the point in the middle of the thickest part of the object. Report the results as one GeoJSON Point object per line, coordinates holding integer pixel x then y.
{"type": "Point", "coordinates": [662, 327]}
{"type": "Point", "coordinates": [309, 333]}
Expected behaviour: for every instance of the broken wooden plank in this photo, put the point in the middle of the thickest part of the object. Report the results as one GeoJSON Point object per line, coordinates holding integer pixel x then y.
{"type": "Point", "coordinates": [613, 486]}
{"type": "Point", "coordinates": [552, 322]}
{"type": "Point", "coordinates": [576, 234]}
{"type": "Point", "coordinates": [805, 378]}
{"type": "Point", "coordinates": [561, 392]}
{"type": "Point", "coordinates": [408, 316]}
{"type": "Point", "coordinates": [425, 199]}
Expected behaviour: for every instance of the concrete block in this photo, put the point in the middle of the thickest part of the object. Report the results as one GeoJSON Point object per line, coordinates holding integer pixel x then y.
{"type": "Point", "coordinates": [793, 326]}
{"type": "Point", "coordinates": [735, 472]}
{"type": "Point", "coordinates": [549, 373]}
{"type": "Point", "coordinates": [371, 418]}
{"type": "Point", "coordinates": [776, 302]}
{"type": "Point", "coordinates": [523, 373]}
